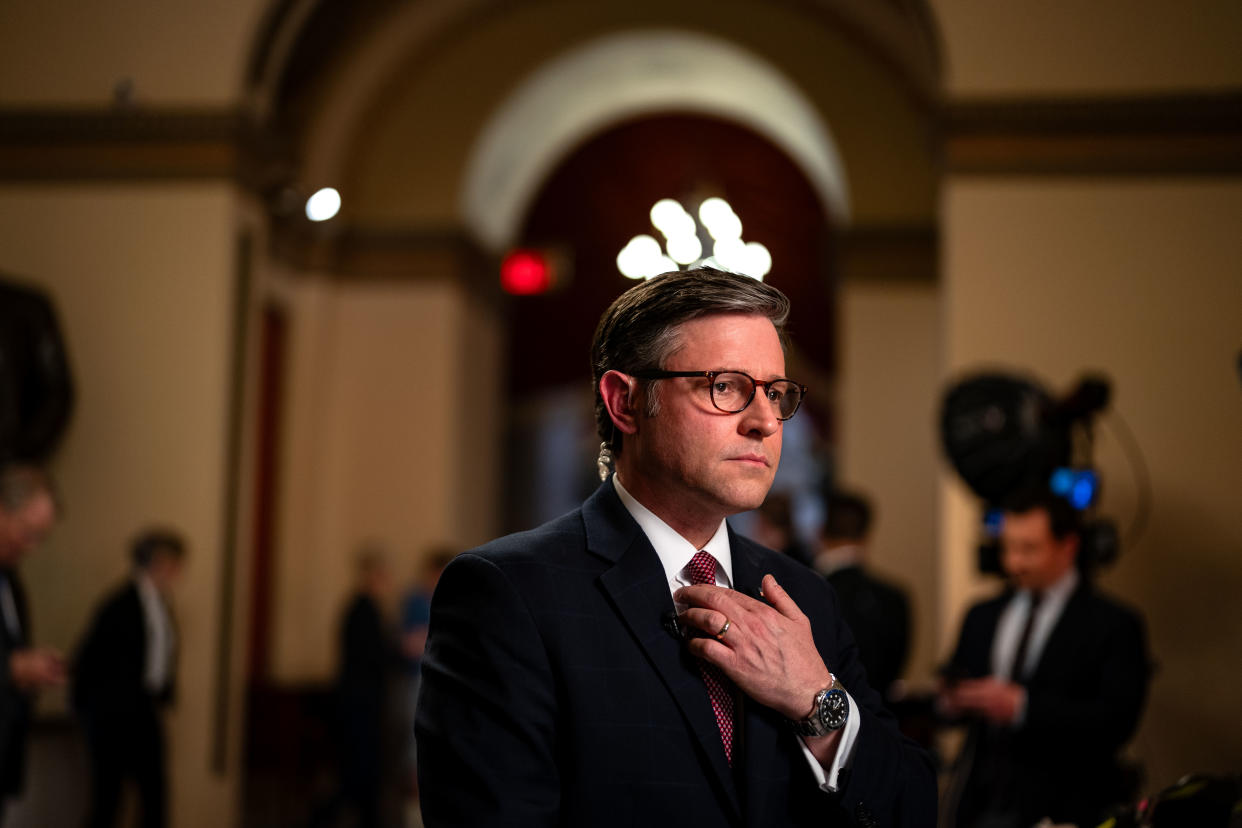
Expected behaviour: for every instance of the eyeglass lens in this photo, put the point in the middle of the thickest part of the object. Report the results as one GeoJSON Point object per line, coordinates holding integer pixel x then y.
{"type": "Point", "coordinates": [733, 392]}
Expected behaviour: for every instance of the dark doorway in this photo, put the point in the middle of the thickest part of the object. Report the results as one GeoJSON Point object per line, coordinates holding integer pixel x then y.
{"type": "Point", "coordinates": [288, 750]}
{"type": "Point", "coordinates": [273, 334]}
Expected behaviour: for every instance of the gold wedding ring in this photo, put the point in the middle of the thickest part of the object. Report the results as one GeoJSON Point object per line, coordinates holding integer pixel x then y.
{"type": "Point", "coordinates": [720, 634]}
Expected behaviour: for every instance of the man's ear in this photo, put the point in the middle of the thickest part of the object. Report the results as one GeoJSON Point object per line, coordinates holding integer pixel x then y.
{"type": "Point", "coordinates": [619, 392]}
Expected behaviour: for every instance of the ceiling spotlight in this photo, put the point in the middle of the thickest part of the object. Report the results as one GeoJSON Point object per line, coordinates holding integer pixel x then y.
{"type": "Point", "coordinates": [323, 205]}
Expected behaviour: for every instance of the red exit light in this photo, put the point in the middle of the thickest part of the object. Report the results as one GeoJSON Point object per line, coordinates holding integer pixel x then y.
{"type": "Point", "coordinates": [525, 272]}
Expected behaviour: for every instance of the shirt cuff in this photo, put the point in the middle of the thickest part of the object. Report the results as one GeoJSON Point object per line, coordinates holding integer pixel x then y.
{"type": "Point", "coordinates": [828, 778]}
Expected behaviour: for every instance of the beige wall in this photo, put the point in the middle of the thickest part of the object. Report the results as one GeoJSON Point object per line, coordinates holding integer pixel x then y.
{"type": "Point", "coordinates": [1064, 47]}
{"type": "Point", "coordinates": [142, 277]}
{"type": "Point", "coordinates": [73, 53]}
{"type": "Point", "coordinates": [887, 403]}
{"type": "Point", "coordinates": [377, 423]}
{"type": "Point", "coordinates": [1141, 280]}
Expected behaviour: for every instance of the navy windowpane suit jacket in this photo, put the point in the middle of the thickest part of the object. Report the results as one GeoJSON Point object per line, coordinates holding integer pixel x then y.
{"type": "Point", "coordinates": [555, 693]}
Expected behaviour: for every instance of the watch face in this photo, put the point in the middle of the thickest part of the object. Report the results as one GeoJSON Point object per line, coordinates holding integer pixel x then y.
{"type": "Point", "coordinates": [834, 709]}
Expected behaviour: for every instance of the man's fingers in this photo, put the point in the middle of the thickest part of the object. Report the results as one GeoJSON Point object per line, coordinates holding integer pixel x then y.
{"type": "Point", "coordinates": [735, 604]}
{"type": "Point", "coordinates": [780, 600]}
{"type": "Point", "coordinates": [723, 600]}
{"type": "Point", "coordinates": [711, 650]}
{"type": "Point", "coordinates": [974, 693]}
{"type": "Point", "coordinates": [708, 621]}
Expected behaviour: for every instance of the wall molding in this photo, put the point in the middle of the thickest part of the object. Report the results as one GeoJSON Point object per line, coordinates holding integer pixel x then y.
{"type": "Point", "coordinates": [349, 254]}
{"type": "Point", "coordinates": [138, 144]}
{"type": "Point", "coordinates": [889, 253]}
{"type": "Point", "coordinates": [1182, 134]}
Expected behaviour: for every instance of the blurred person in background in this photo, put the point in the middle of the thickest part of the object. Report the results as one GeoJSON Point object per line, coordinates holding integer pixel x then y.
{"type": "Point", "coordinates": [124, 675]}
{"type": "Point", "coordinates": [369, 669]}
{"type": "Point", "coordinates": [1051, 676]}
{"type": "Point", "coordinates": [774, 527]}
{"type": "Point", "coordinates": [27, 513]}
{"type": "Point", "coordinates": [878, 612]}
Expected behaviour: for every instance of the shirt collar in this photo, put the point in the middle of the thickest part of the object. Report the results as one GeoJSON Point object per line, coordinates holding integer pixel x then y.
{"type": "Point", "coordinates": [1054, 597]}
{"type": "Point", "coordinates": [1060, 591]}
{"type": "Point", "coordinates": [674, 550]}
{"type": "Point", "coordinates": [146, 588]}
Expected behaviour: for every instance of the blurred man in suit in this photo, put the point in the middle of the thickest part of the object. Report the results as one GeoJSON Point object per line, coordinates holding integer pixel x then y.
{"type": "Point", "coordinates": [123, 675]}
{"type": "Point", "coordinates": [774, 527]}
{"type": "Point", "coordinates": [878, 613]}
{"type": "Point", "coordinates": [635, 662]}
{"type": "Point", "coordinates": [1052, 677]}
{"type": "Point", "coordinates": [370, 664]}
{"type": "Point", "coordinates": [27, 513]}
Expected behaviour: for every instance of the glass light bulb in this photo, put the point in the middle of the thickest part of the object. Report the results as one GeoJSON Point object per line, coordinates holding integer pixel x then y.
{"type": "Point", "coordinates": [684, 249]}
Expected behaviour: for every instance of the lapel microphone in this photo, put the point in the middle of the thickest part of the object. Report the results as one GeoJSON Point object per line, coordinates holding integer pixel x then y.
{"type": "Point", "coordinates": [671, 625]}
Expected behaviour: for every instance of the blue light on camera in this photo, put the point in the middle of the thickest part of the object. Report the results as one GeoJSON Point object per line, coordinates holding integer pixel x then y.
{"type": "Point", "coordinates": [1082, 494]}
{"type": "Point", "coordinates": [1062, 481]}
{"type": "Point", "coordinates": [1078, 486]}
{"type": "Point", "coordinates": [992, 520]}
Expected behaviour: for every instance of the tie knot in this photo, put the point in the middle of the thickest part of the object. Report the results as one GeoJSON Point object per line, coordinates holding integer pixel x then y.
{"type": "Point", "coordinates": [702, 568]}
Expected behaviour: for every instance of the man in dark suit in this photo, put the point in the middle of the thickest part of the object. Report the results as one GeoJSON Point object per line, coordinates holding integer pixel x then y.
{"type": "Point", "coordinates": [370, 662]}
{"type": "Point", "coordinates": [123, 674]}
{"type": "Point", "coordinates": [1052, 676]}
{"type": "Point", "coordinates": [877, 612]}
{"type": "Point", "coordinates": [637, 663]}
{"type": "Point", "coordinates": [27, 512]}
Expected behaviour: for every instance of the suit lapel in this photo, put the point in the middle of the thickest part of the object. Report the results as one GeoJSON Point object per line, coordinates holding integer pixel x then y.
{"type": "Point", "coordinates": [1060, 639]}
{"type": "Point", "coordinates": [761, 735]}
{"type": "Point", "coordinates": [18, 594]}
{"type": "Point", "coordinates": [636, 585]}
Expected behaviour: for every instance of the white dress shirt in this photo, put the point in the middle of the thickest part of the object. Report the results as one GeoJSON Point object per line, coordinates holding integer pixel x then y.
{"type": "Point", "coordinates": [1012, 621]}
{"type": "Point", "coordinates": [161, 640]}
{"type": "Point", "coordinates": [675, 553]}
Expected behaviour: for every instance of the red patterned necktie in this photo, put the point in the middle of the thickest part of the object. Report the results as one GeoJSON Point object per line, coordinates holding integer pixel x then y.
{"type": "Point", "coordinates": [702, 570]}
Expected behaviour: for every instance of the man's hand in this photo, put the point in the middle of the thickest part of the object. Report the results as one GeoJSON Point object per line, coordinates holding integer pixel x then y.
{"type": "Point", "coordinates": [414, 642]}
{"type": "Point", "coordinates": [35, 668]}
{"type": "Point", "coordinates": [995, 700]}
{"type": "Point", "coordinates": [768, 651]}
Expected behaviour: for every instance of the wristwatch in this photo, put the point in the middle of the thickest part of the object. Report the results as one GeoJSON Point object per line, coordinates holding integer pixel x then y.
{"type": "Point", "coordinates": [832, 708]}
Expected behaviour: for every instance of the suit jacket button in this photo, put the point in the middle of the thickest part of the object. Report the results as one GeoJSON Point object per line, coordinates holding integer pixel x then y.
{"type": "Point", "coordinates": [863, 817]}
